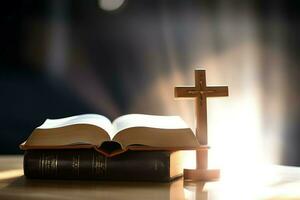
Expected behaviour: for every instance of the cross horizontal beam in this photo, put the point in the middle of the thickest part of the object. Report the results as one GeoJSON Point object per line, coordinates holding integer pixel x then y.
{"type": "Point", "coordinates": [217, 91]}
{"type": "Point", "coordinates": [186, 92]}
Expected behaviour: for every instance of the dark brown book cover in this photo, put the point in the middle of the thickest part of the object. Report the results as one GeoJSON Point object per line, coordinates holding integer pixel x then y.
{"type": "Point", "coordinates": [90, 164]}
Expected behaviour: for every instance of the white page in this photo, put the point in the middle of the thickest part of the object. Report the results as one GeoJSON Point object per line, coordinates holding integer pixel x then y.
{"type": "Point", "coordinates": [92, 119]}
{"type": "Point", "coordinates": [142, 120]}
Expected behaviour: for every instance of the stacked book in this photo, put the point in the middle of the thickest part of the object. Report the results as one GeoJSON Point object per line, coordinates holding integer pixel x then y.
{"type": "Point", "coordinates": [133, 147]}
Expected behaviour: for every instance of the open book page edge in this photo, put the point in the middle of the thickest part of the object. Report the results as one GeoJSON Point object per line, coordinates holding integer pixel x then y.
{"type": "Point", "coordinates": [132, 148]}
{"type": "Point", "coordinates": [149, 128]}
{"type": "Point", "coordinates": [155, 137]}
{"type": "Point", "coordinates": [148, 148]}
{"type": "Point", "coordinates": [23, 146]}
{"type": "Point", "coordinates": [69, 131]}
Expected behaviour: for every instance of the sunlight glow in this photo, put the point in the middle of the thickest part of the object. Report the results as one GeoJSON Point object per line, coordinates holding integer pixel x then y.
{"type": "Point", "coordinates": [11, 173]}
{"type": "Point", "coordinates": [235, 130]}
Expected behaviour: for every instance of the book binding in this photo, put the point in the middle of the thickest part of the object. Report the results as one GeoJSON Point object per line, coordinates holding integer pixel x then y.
{"type": "Point", "coordinates": [89, 164]}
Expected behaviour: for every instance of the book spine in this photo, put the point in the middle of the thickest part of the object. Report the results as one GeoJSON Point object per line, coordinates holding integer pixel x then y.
{"type": "Point", "coordinates": [89, 164]}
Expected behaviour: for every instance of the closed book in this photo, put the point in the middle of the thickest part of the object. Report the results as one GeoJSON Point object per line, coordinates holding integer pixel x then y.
{"type": "Point", "coordinates": [89, 164]}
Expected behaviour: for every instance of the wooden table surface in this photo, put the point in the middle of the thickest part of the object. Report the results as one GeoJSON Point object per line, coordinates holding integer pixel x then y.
{"type": "Point", "coordinates": [13, 185]}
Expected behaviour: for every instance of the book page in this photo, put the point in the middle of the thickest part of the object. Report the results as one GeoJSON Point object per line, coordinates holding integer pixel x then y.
{"type": "Point", "coordinates": [151, 121]}
{"type": "Point", "coordinates": [142, 120]}
{"type": "Point", "coordinates": [91, 119]}
{"type": "Point", "coordinates": [153, 131]}
{"type": "Point", "coordinates": [87, 129]}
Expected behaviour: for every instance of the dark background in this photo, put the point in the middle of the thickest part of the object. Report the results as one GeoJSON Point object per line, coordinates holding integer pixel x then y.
{"type": "Point", "coordinates": [62, 58]}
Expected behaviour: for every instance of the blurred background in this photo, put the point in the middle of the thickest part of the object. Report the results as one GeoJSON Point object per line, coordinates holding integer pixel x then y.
{"type": "Point", "coordinates": [112, 57]}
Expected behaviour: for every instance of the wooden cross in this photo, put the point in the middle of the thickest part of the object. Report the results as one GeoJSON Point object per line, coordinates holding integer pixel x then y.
{"type": "Point", "coordinates": [200, 91]}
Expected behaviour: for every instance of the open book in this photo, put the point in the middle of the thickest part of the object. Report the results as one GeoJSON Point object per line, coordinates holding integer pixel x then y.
{"type": "Point", "coordinates": [133, 131]}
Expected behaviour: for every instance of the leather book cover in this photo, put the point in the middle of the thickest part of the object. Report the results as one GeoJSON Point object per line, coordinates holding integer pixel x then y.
{"type": "Point", "coordinates": [89, 164]}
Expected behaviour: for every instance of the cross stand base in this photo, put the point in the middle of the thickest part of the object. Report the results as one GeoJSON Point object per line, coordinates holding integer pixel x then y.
{"type": "Point", "coordinates": [201, 174]}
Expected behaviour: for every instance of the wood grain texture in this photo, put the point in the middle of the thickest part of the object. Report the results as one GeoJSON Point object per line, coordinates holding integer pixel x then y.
{"type": "Point", "coordinates": [13, 185]}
